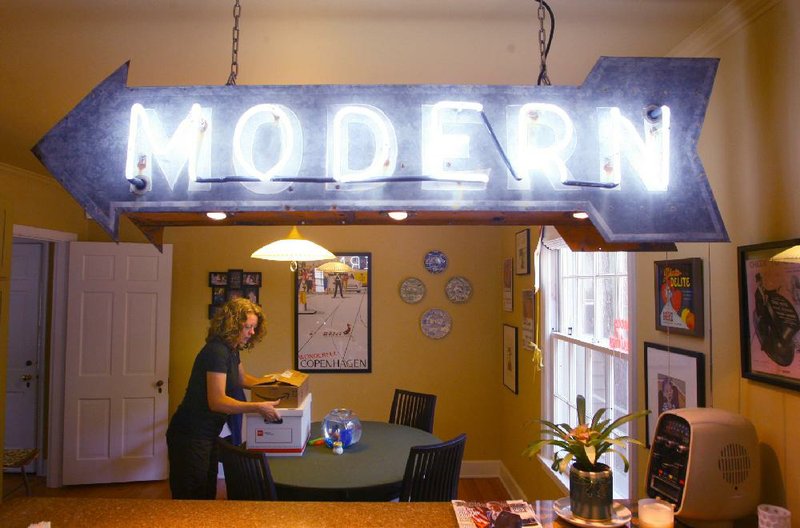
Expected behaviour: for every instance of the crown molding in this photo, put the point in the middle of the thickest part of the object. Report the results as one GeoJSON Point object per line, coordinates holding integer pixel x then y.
{"type": "Point", "coordinates": [16, 171]}
{"type": "Point", "coordinates": [728, 21]}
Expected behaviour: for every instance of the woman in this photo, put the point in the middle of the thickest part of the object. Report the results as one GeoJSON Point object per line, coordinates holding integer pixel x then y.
{"type": "Point", "coordinates": [216, 374]}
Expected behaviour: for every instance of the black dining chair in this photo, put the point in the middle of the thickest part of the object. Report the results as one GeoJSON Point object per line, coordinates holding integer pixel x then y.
{"type": "Point", "coordinates": [414, 409]}
{"type": "Point", "coordinates": [247, 474]}
{"type": "Point", "coordinates": [432, 471]}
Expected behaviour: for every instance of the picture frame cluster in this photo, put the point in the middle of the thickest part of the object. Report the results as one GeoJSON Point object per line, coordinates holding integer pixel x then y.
{"type": "Point", "coordinates": [232, 284]}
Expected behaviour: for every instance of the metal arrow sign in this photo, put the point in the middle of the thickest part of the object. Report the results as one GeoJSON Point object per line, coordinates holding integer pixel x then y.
{"type": "Point", "coordinates": [621, 147]}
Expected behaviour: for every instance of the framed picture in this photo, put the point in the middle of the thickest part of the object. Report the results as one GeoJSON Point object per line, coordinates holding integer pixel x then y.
{"type": "Point", "coordinates": [212, 309]}
{"type": "Point", "coordinates": [235, 279]}
{"type": "Point", "coordinates": [217, 278]}
{"type": "Point", "coordinates": [508, 285]}
{"type": "Point", "coordinates": [528, 338]}
{"type": "Point", "coordinates": [679, 296]}
{"type": "Point", "coordinates": [510, 376]}
{"type": "Point", "coordinates": [218, 294]}
{"type": "Point", "coordinates": [522, 247]}
{"type": "Point", "coordinates": [673, 379]}
{"type": "Point", "coordinates": [232, 293]}
{"type": "Point", "coordinates": [251, 278]}
{"type": "Point", "coordinates": [769, 301]}
{"type": "Point", "coordinates": [251, 293]}
{"type": "Point", "coordinates": [332, 306]}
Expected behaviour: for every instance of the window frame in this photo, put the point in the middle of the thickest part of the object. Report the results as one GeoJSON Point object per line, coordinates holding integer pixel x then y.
{"type": "Point", "coordinates": [550, 285]}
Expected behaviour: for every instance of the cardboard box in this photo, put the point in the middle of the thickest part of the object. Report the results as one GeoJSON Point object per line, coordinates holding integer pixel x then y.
{"type": "Point", "coordinates": [280, 439]}
{"type": "Point", "coordinates": [290, 386]}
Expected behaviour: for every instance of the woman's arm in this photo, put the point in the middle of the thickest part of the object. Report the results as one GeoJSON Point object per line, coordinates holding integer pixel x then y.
{"type": "Point", "coordinates": [248, 380]}
{"type": "Point", "coordinates": [220, 402]}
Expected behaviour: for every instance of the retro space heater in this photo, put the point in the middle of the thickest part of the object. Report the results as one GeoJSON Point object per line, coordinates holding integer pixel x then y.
{"type": "Point", "coordinates": [706, 462]}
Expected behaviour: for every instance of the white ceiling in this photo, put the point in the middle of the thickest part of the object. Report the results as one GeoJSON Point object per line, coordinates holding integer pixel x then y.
{"type": "Point", "coordinates": [55, 51]}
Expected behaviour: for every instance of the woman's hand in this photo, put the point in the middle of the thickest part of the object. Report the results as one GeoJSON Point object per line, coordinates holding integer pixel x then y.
{"type": "Point", "coordinates": [268, 411]}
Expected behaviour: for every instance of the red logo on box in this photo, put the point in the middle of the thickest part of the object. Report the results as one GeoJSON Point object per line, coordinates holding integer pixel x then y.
{"type": "Point", "coordinates": [259, 432]}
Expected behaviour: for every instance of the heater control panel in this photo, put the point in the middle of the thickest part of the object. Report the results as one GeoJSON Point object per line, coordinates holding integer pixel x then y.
{"type": "Point", "coordinates": [669, 457]}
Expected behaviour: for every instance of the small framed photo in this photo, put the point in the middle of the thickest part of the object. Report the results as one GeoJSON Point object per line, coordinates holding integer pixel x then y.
{"type": "Point", "coordinates": [679, 296]}
{"type": "Point", "coordinates": [508, 285]}
{"type": "Point", "coordinates": [510, 375]}
{"type": "Point", "coordinates": [235, 278]}
{"type": "Point", "coordinates": [237, 293]}
{"type": "Point", "coordinates": [251, 278]}
{"type": "Point", "coordinates": [212, 309]}
{"type": "Point", "coordinates": [522, 247]}
{"type": "Point", "coordinates": [673, 379]}
{"type": "Point", "coordinates": [218, 295]}
{"type": "Point", "coordinates": [250, 293]}
{"type": "Point", "coordinates": [217, 278]}
{"type": "Point", "coordinates": [769, 303]}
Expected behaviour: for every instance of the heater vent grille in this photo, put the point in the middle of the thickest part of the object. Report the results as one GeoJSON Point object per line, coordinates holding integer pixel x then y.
{"type": "Point", "coordinates": [734, 464]}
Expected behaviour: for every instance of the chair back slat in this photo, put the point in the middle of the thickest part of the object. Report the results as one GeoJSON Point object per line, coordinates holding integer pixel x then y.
{"type": "Point", "coordinates": [432, 471]}
{"type": "Point", "coordinates": [414, 409]}
{"type": "Point", "coordinates": [247, 474]}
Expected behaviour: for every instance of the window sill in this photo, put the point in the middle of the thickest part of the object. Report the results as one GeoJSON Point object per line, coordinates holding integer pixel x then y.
{"type": "Point", "coordinates": [561, 480]}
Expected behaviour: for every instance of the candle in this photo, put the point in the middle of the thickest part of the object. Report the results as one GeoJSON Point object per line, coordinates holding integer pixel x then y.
{"type": "Point", "coordinates": [656, 513]}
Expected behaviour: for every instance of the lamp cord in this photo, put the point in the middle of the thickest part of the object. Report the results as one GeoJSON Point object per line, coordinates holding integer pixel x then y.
{"type": "Point", "coordinates": [545, 41]}
{"type": "Point", "coordinates": [237, 11]}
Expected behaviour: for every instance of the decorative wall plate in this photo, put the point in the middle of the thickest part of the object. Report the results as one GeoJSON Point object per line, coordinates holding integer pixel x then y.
{"type": "Point", "coordinates": [435, 261]}
{"type": "Point", "coordinates": [435, 323]}
{"type": "Point", "coordinates": [458, 290]}
{"type": "Point", "coordinates": [412, 290]}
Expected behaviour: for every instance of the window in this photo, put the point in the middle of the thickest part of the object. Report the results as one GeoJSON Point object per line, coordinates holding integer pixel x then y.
{"type": "Point", "coordinates": [587, 341]}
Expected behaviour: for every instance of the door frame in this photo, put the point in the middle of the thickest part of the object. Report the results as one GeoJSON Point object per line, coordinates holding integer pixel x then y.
{"type": "Point", "coordinates": [58, 334]}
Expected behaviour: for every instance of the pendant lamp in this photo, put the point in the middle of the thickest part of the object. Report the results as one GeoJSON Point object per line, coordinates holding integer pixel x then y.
{"type": "Point", "coordinates": [292, 249]}
{"type": "Point", "coordinates": [789, 255]}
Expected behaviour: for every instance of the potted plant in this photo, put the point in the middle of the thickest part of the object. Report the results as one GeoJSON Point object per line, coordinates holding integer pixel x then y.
{"type": "Point", "coordinates": [579, 448]}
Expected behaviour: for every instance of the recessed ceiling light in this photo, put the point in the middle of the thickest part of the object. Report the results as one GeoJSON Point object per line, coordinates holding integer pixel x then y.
{"type": "Point", "coordinates": [397, 215]}
{"type": "Point", "coordinates": [217, 215]}
{"type": "Point", "coordinates": [580, 215]}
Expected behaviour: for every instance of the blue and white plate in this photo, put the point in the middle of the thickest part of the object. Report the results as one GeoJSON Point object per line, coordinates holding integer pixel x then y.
{"type": "Point", "coordinates": [435, 261]}
{"type": "Point", "coordinates": [458, 290]}
{"type": "Point", "coordinates": [435, 323]}
{"type": "Point", "coordinates": [412, 290]}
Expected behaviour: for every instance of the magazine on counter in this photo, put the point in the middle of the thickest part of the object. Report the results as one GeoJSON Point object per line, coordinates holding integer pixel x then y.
{"type": "Point", "coordinates": [494, 514]}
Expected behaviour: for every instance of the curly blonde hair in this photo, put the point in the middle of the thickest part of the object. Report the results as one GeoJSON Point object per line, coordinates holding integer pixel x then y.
{"type": "Point", "coordinates": [229, 319]}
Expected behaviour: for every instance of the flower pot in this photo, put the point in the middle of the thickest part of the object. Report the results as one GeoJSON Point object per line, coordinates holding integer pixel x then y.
{"type": "Point", "coordinates": [591, 492]}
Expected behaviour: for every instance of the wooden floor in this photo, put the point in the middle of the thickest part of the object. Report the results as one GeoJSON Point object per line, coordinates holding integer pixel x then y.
{"type": "Point", "coordinates": [478, 489]}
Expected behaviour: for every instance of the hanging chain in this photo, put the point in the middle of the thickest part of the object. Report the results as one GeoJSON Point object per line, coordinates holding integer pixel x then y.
{"type": "Point", "coordinates": [237, 11]}
{"type": "Point", "coordinates": [543, 78]}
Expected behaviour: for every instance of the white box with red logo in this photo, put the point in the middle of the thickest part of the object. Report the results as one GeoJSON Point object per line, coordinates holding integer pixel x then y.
{"type": "Point", "coordinates": [280, 439]}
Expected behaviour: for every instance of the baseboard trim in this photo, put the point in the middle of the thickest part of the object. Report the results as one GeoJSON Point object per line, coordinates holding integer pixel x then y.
{"type": "Point", "coordinates": [493, 469]}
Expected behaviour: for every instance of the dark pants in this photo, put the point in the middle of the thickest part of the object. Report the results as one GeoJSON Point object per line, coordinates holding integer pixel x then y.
{"type": "Point", "coordinates": [192, 466]}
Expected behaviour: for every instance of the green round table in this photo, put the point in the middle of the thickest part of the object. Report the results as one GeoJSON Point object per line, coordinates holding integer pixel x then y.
{"type": "Point", "coordinates": [371, 470]}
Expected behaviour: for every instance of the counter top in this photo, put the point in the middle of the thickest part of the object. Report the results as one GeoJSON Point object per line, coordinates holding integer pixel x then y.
{"type": "Point", "coordinates": [147, 513]}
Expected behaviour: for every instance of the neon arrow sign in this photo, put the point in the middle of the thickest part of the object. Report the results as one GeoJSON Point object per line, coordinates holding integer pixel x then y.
{"type": "Point", "coordinates": [622, 147]}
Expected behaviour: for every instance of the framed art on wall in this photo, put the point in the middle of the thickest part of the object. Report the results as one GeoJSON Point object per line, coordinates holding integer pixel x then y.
{"type": "Point", "coordinates": [508, 285]}
{"type": "Point", "coordinates": [673, 379]}
{"type": "Point", "coordinates": [679, 296]}
{"type": "Point", "coordinates": [522, 253]}
{"type": "Point", "coordinates": [332, 301]}
{"type": "Point", "coordinates": [769, 303]}
{"type": "Point", "coordinates": [510, 376]}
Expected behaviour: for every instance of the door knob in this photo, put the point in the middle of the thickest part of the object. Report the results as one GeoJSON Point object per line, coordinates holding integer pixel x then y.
{"type": "Point", "coordinates": [26, 377]}
{"type": "Point", "coordinates": [159, 384]}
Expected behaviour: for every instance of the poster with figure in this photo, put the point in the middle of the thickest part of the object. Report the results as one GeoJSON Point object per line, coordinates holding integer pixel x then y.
{"type": "Point", "coordinates": [333, 315]}
{"type": "Point", "coordinates": [679, 296]}
{"type": "Point", "coordinates": [769, 305]}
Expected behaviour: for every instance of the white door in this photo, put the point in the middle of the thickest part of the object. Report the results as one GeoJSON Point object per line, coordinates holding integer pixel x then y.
{"type": "Point", "coordinates": [117, 362]}
{"type": "Point", "coordinates": [25, 338]}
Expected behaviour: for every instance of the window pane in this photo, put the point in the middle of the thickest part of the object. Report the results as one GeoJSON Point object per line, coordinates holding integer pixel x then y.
{"type": "Point", "coordinates": [585, 325]}
{"type": "Point", "coordinates": [605, 263]}
{"type": "Point", "coordinates": [567, 315]}
{"type": "Point", "coordinates": [579, 382]}
{"type": "Point", "coordinates": [599, 361]}
{"type": "Point", "coordinates": [585, 264]}
{"type": "Point", "coordinates": [606, 310]}
{"type": "Point", "coordinates": [561, 378]}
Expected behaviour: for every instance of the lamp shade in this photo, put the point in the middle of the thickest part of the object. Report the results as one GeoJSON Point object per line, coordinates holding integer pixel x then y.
{"type": "Point", "coordinates": [294, 248]}
{"type": "Point", "coordinates": [789, 255]}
